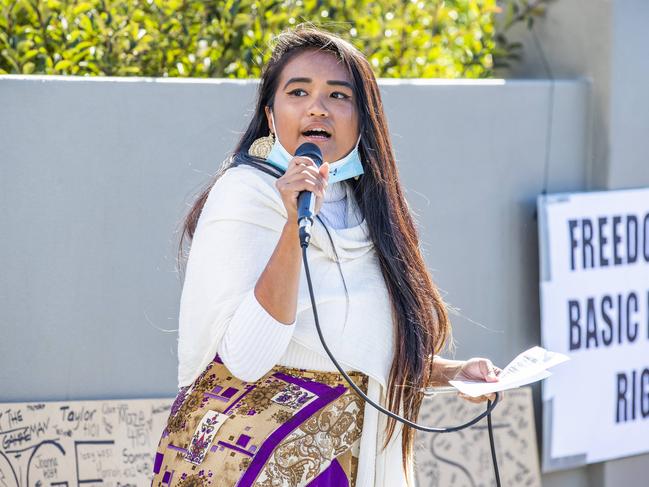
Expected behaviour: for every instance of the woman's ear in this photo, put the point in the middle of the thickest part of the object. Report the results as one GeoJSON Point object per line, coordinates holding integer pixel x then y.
{"type": "Point", "coordinates": [269, 121]}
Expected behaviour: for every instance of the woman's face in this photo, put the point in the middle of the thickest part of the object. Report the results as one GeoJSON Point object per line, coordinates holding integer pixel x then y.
{"type": "Point", "coordinates": [315, 92]}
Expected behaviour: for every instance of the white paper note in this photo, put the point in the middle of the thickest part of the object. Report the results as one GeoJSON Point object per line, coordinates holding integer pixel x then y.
{"type": "Point", "coordinates": [529, 366]}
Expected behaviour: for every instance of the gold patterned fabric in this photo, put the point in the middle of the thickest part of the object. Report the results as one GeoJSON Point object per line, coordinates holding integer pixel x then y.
{"type": "Point", "coordinates": [291, 428]}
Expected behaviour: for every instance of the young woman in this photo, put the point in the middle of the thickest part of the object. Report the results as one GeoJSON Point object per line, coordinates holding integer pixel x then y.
{"type": "Point", "coordinates": [260, 403]}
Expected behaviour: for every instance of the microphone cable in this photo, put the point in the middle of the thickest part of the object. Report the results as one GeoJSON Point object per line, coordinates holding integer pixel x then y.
{"type": "Point", "coordinates": [430, 429]}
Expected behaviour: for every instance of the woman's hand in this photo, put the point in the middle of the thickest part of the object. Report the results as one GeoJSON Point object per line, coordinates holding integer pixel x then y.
{"type": "Point", "coordinates": [302, 174]}
{"type": "Point", "coordinates": [478, 369]}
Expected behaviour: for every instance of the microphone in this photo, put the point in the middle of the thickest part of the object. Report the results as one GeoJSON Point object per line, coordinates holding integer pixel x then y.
{"type": "Point", "coordinates": [306, 199]}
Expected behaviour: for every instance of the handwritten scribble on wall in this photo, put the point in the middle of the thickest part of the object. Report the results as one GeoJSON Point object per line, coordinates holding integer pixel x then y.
{"type": "Point", "coordinates": [463, 459]}
{"type": "Point", "coordinates": [80, 442]}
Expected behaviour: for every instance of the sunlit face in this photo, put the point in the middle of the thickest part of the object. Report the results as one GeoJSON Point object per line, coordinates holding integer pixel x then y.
{"type": "Point", "coordinates": [315, 102]}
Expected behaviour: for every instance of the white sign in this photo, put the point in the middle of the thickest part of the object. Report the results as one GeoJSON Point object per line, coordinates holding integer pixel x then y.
{"type": "Point", "coordinates": [594, 250]}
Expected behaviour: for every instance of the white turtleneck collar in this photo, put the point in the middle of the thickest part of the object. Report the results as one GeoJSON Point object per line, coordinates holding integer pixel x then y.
{"type": "Point", "coordinates": [335, 192]}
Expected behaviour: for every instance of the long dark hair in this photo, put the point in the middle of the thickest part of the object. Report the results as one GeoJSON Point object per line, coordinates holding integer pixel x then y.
{"type": "Point", "coordinates": [421, 321]}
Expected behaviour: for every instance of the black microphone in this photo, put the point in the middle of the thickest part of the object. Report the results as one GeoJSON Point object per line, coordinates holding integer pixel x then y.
{"type": "Point", "coordinates": [306, 199]}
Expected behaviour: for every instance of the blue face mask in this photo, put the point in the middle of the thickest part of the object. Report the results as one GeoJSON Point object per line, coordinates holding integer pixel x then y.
{"type": "Point", "coordinates": [349, 166]}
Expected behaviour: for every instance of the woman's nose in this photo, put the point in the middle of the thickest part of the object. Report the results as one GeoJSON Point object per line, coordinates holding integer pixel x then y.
{"type": "Point", "coordinates": [318, 108]}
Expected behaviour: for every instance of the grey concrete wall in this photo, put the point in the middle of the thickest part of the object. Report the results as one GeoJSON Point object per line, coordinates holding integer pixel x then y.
{"type": "Point", "coordinates": [96, 175]}
{"type": "Point", "coordinates": [573, 40]}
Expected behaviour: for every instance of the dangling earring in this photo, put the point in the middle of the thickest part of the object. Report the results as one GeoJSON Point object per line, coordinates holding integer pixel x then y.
{"type": "Point", "coordinates": [262, 146]}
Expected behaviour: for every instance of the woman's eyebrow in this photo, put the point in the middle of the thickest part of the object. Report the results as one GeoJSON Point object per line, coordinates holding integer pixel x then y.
{"type": "Point", "coordinates": [329, 82]}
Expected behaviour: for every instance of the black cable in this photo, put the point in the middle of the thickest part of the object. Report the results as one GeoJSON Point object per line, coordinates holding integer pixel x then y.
{"type": "Point", "coordinates": [493, 447]}
{"type": "Point", "coordinates": [548, 134]}
{"type": "Point", "coordinates": [490, 405]}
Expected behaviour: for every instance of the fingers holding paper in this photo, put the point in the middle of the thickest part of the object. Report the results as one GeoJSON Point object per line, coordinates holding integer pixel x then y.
{"type": "Point", "coordinates": [481, 370]}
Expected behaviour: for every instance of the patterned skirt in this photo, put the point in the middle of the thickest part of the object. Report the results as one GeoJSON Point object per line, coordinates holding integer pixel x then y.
{"type": "Point", "coordinates": [291, 428]}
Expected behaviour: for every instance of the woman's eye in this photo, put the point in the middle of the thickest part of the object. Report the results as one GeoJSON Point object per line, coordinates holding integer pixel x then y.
{"type": "Point", "coordinates": [336, 94]}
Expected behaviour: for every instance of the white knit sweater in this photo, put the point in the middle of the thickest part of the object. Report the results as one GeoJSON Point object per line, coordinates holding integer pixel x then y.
{"type": "Point", "coordinates": [236, 234]}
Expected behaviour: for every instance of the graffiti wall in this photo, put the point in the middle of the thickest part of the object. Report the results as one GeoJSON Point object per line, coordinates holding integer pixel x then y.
{"type": "Point", "coordinates": [80, 442]}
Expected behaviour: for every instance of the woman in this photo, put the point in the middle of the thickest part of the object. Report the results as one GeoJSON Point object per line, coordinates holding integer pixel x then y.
{"type": "Point", "coordinates": [260, 403]}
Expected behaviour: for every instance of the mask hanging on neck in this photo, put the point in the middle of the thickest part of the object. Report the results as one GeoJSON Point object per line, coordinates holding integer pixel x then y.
{"type": "Point", "coordinates": [349, 166]}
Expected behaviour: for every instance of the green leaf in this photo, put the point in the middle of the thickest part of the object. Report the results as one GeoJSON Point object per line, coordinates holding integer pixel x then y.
{"type": "Point", "coordinates": [30, 54]}
{"type": "Point", "coordinates": [86, 23]}
{"type": "Point", "coordinates": [28, 68]}
{"type": "Point", "coordinates": [62, 65]}
{"type": "Point", "coordinates": [81, 8]}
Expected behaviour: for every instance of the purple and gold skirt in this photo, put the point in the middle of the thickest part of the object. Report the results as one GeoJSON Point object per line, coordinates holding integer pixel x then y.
{"type": "Point", "coordinates": [291, 428]}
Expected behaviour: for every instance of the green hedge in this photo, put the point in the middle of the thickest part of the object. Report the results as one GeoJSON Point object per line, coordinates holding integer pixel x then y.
{"type": "Point", "coordinates": [405, 38]}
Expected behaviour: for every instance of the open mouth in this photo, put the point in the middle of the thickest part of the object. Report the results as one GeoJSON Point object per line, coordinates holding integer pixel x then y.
{"type": "Point", "coordinates": [319, 134]}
